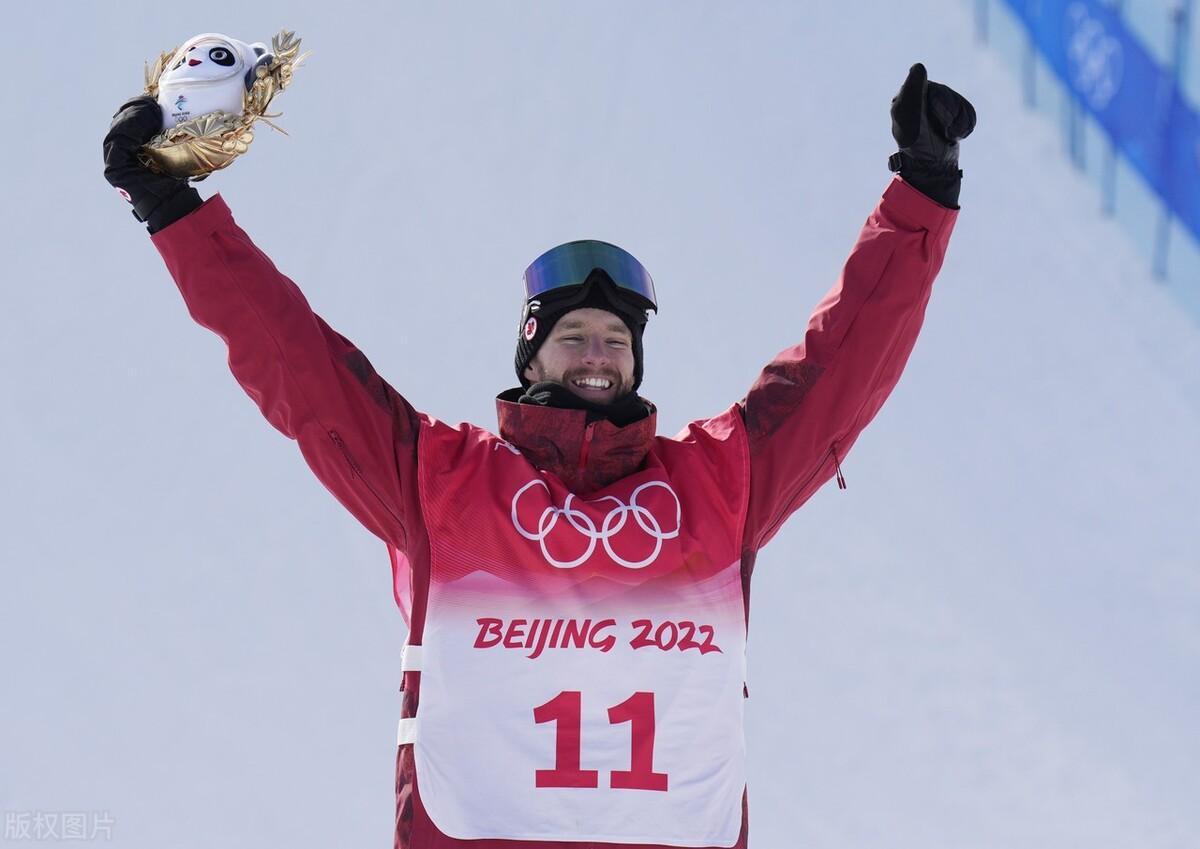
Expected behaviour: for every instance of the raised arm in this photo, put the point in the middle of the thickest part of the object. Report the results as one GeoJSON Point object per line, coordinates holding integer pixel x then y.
{"type": "Point", "coordinates": [809, 405]}
{"type": "Point", "coordinates": [356, 433]}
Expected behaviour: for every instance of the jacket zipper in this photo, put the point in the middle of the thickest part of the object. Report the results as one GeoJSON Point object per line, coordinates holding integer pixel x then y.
{"type": "Point", "coordinates": [583, 449]}
{"type": "Point", "coordinates": [776, 519]}
{"type": "Point", "coordinates": [337, 440]}
{"type": "Point", "coordinates": [837, 467]}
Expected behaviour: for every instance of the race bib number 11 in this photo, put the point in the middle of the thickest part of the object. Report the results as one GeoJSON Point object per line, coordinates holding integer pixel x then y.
{"type": "Point", "coordinates": [566, 711]}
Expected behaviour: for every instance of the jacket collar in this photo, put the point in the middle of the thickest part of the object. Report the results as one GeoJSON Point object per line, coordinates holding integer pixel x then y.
{"type": "Point", "coordinates": [586, 457]}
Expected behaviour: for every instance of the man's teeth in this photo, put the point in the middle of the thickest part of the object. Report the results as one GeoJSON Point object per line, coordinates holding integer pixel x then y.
{"type": "Point", "coordinates": [592, 382]}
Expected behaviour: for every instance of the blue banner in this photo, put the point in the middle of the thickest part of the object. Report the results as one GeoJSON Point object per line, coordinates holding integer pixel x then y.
{"type": "Point", "coordinates": [1183, 163]}
{"type": "Point", "coordinates": [1136, 100]}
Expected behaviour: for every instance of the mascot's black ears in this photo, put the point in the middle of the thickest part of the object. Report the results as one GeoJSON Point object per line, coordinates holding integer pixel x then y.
{"type": "Point", "coordinates": [263, 58]}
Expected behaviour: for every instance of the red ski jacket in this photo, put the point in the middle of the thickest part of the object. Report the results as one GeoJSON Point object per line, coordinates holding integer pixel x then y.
{"type": "Point", "coordinates": [362, 438]}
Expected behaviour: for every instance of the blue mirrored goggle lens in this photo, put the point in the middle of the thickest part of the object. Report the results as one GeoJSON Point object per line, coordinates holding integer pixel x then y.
{"type": "Point", "coordinates": [570, 265]}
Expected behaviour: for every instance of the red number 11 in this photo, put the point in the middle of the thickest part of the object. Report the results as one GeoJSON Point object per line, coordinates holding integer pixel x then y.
{"type": "Point", "coordinates": [566, 710]}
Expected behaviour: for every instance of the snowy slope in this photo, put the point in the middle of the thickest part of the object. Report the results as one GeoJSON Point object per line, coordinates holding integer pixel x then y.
{"type": "Point", "coordinates": [991, 639]}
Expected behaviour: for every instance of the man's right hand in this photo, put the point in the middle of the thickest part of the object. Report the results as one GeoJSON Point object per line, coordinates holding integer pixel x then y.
{"type": "Point", "coordinates": [157, 199]}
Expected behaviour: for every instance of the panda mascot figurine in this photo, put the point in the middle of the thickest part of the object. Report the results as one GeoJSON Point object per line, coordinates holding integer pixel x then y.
{"type": "Point", "coordinates": [209, 73]}
{"type": "Point", "coordinates": [211, 91]}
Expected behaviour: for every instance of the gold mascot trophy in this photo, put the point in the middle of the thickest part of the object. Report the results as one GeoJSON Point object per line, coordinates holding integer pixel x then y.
{"type": "Point", "coordinates": [212, 90]}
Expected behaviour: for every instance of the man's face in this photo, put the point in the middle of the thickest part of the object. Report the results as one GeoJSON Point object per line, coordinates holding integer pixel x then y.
{"type": "Point", "coordinates": [589, 351]}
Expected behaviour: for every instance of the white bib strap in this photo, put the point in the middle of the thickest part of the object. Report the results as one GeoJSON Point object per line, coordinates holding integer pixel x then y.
{"type": "Point", "coordinates": [406, 732]}
{"type": "Point", "coordinates": [410, 659]}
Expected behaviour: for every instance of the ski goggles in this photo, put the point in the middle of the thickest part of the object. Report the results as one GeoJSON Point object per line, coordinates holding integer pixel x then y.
{"type": "Point", "coordinates": [570, 264]}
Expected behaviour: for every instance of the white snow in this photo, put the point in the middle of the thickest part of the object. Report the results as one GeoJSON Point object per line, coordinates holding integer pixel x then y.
{"type": "Point", "coordinates": [991, 639]}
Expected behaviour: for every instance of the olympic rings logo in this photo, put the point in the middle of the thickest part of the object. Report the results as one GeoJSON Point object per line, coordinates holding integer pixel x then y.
{"type": "Point", "coordinates": [612, 523]}
{"type": "Point", "coordinates": [1097, 60]}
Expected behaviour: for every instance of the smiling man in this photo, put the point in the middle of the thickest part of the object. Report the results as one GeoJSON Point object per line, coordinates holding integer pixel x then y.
{"type": "Point", "coordinates": [580, 339]}
{"type": "Point", "coordinates": [588, 353]}
{"type": "Point", "coordinates": [576, 586]}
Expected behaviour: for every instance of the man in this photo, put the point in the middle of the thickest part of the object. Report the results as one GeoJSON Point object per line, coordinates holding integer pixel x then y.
{"type": "Point", "coordinates": [576, 587]}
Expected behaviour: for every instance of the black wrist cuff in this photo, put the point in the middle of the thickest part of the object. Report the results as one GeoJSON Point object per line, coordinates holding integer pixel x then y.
{"type": "Point", "coordinates": [173, 208]}
{"type": "Point", "coordinates": [939, 185]}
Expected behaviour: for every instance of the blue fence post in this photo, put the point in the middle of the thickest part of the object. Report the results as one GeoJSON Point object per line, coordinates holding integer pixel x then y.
{"type": "Point", "coordinates": [1109, 191]}
{"type": "Point", "coordinates": [1030, 70]}
{"type": "Point", "coordinates": [981, 21]}
{"type": "Point", "coordinates": [1074, 129]}
{"type": "Point", "coordinates": [1180, 12]}
{"type": "Point", "coordinates": [1185, 26]}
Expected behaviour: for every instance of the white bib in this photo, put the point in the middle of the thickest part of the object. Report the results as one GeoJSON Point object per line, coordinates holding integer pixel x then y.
{"type": "Point", "coordinates": [583, 661]}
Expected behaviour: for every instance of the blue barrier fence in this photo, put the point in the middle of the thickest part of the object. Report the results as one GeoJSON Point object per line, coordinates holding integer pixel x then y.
{"type": "Point", "coordinates": [1137, 100]}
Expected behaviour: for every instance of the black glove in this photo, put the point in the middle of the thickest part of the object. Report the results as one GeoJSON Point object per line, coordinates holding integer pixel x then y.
{"type": "Point", "coordinates": [157, 199]}
{"type": "Point", "coordinates": [928, 119]}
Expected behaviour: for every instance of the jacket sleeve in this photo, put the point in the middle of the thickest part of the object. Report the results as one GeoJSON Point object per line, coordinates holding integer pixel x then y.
{"type": "Point", "coordinates": [356, 433]}
{"type": "Point", "coordinates": [810, 403]}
